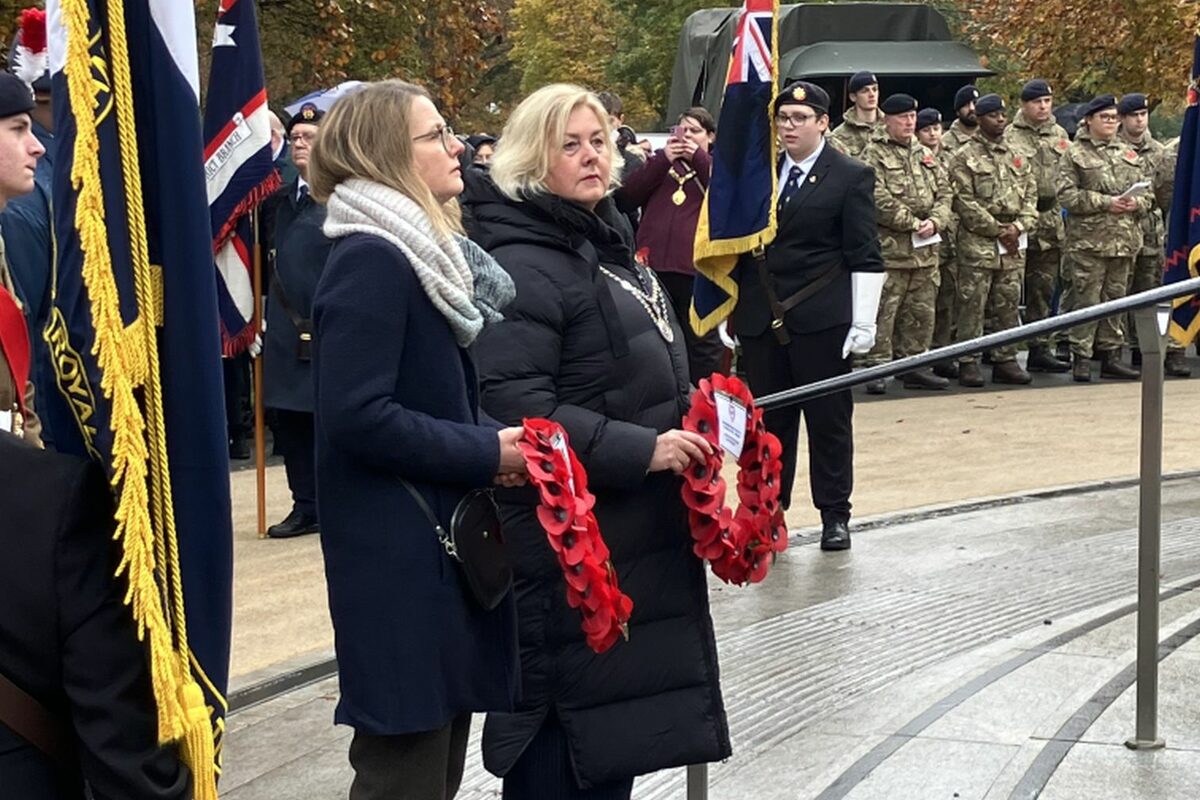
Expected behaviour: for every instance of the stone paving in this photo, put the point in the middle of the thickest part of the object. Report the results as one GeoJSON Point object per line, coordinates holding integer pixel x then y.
{"type": "Point", "coordinates": [985, 654]}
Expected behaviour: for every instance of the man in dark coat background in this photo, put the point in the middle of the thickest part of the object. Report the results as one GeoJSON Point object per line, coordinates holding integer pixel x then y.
{"type": "Point", "coordinates": [811, 300]}
{"type": "Point", "coordinates": [298, 252]}
{"type": "Point", "coordinates": [68, 643]}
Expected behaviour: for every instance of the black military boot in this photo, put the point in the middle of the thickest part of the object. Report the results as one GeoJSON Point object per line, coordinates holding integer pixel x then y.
{"type": "Point", "coordinates": [969, 374]}
{"type": "Point", "coordinates": [1042, 360]}
{"type": "Point", "coordinates": [1135, 356]}
{"type": "Point", "coordinates": [946, 369]}
{"type": "Point", "coordinates": [876, 386]}
{"type": "Point", "coordinates": [920, 379]}
{"type": "Point", "coordinates": [1010, 372]}
{"type": "Point", "coordinates": [1176, 365]}
{"type": "Point", "coordinates": [1081, 369]}
{"type": "Point", "coordinates": [1062, 351]}
{"type": "Point", "coordinates": [1112, 367]}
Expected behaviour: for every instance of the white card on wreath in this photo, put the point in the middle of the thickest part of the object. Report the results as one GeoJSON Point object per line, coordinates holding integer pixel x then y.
{"type": "Point", "coordinates": [559, 443]}
{"type": "Point", "coordinates": [731, 423]}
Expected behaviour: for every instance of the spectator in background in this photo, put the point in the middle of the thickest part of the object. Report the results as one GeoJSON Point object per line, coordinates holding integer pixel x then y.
{"type": "Point", "coordinates": [484, 145]}
{"type": "Point", "coordinates": [633, 153]}
{"type": "Point", "coordinates": [669, 191]}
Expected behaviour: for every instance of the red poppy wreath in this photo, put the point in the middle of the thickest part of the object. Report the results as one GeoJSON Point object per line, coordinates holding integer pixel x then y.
{"type": "Point", "coordinates": [566, 514]}
{"type": "Point", "coordinates": [739, 544]}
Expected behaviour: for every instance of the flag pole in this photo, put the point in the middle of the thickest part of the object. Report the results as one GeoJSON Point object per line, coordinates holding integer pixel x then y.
{"type": "Point", "coordinates": [260, 445]}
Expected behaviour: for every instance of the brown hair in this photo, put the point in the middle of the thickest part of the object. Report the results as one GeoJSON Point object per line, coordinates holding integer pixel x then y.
{"type": "Point", "coordinates": [365, 135]}
{"type": "Point", "coordinates": [701, 115]}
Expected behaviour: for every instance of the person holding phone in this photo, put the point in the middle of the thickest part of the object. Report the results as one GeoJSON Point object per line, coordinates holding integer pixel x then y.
{"type": "Point", "coordinates": [669, 189]}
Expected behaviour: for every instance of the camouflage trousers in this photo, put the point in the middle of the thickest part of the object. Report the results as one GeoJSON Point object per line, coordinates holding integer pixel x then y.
{"type": "Point", "coordinates": [1147, 274]}
{"type": "Point", "coordinates": [991, 295]}
{"type": "Point", "coordinates": [947, 301]}
{"type": "Point", "coordinates": [1097, 279]}
{"type": "Point", "coordinates": [1042, 269]}
{"type": "Point", "coordinates": [904, 324]}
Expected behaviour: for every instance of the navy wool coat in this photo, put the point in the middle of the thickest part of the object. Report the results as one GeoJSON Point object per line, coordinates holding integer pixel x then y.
{"type": "Point", "coordinates": [397, 397]}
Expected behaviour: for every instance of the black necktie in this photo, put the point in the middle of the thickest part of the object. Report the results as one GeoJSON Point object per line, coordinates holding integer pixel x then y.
{"type": "Point", "coordinates": [790, 187]}
{"type": "Point", "coordinates": [303, 194]}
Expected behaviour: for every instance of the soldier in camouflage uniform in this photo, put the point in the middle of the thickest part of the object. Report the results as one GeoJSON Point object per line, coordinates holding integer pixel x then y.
{"type": "Point", "coordinates": [962, 130]}
{"type": "Point", "coordinates": [929, 133]}
{"type": "Point", "coordinates": [1148, 269]}
{"type": "Point", "coordinates": [912, 199]}
{"type": "Point", "coordinates": [863, 121]}
{"type": "Point", "coordinates": [1043, 142]}
{"type": "Point", "coordinates": [995, 197]}
{"type": "Point", "coordinates": [1103, 235]}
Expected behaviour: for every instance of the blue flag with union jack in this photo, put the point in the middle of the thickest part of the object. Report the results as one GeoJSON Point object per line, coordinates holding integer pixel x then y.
{"type": "Point", "coordinates": [238, 163]}
{"type": "Point", "coordinates": [738, 214]}
{"type": "Point", "coordinates": [1183, 223]}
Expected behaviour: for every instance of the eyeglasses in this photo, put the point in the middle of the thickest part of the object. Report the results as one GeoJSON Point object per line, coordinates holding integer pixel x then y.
{"type": "Point", "coordinates": [307, 138]}
{"type": "Point", "coordinates": [1107, 117]}
{"type": "Point", "coordinates": [443, 132]}
{"type": "Point", "coordinates": [794, 120]}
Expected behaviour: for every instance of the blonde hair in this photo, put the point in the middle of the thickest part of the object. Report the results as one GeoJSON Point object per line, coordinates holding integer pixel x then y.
{"type": "Point", "coordinates": [365, 135]}
{"type": "Point", "coordinates": [533, 138]}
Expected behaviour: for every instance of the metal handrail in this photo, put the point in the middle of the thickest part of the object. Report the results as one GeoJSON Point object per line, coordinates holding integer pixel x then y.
{"type": "Point", "coordinates": [1020, 333]}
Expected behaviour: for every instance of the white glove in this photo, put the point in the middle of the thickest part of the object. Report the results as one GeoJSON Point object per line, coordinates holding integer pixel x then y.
{"type": "Point", "coordinates": [730, 342]}
{"type": "Point", "coordinates": [865, 288]}
{"type": "Point", "coordinates": [255, 348]}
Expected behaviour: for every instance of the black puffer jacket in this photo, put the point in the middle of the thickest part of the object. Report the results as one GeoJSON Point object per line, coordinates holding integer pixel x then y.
{"type": "Point", "coordinates": [580, 350]}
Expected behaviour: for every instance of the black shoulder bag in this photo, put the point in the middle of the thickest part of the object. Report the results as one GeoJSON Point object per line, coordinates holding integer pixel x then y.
{"type": "Point", "coordinates": [475, 542]}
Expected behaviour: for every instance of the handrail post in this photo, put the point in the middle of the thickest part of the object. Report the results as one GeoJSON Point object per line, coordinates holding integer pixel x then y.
{"type": "Point", "coordinates": [697, 782]}
{"type": "Point", "coordinates": [1151, 328]}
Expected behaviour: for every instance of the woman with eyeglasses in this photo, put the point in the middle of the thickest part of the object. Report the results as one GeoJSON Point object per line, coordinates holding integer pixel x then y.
{"type": "Point", "coordinates": [592, 342]}
{"type": "Point", "coordinates": [296, 256]}
{"type": "Point", "coordinates": [669, 189]}
{"type": "Point", "coordinates": [402, 299]}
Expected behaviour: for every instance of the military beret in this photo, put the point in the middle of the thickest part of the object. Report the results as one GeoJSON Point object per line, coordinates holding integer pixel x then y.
{"type": "Point", "coordinates": [15, 96]}
{"type": "Point", "coordinates": [898, 104]}
{"type": "Point", "coordinates": [308, 114]}
{"type": "Point", "coordinates": [861, 80]}
{"type": "Point", "coordinates": [1133, 102]}
{"type": "Point", "coordinates": [927, 117]}
{"type": "Point", "coordinates": [1098, 104]}
{"type": "Point", "coordinates": [805, 94]}
{"type": "Point", "coordinates": [988, 104]}
{"type": "Point", "coordinates": [967, 94]}
{"type": "Point", "coordinates": [1035, 90]}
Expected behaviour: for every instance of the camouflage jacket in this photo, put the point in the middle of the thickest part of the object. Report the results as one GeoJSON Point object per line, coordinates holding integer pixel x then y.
{"type": "Point", "coordinates": [956, 136]}
{"type": "Point", "coordinates": [909, 188]}
{"type": "Point", "coordinates": [1044, 145]}
{"type": "Point", "coordinates": [1151, 152]}
{"type": "Point", "coordinates": [994, 186]}
{"type": "Point", "coordinates": [950, 235]}
{"type": "Point", "coordinates": [1090, 176]}
{"type": "Point", "coordinates": [852, 136]}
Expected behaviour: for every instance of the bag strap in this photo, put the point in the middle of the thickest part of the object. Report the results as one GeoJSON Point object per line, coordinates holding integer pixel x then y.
{"type": "Point", "coordinates": [281, 296]}
{"type": "Point", "coordinates": [34, 723]}
{"type": "Point", "coordinates": [444, 538]}
{"type": "Point", "coordinates": [779, 308]}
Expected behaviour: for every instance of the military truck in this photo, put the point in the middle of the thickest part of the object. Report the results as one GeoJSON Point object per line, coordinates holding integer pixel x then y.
{"type": "Point", "coordinates": [907, 45]}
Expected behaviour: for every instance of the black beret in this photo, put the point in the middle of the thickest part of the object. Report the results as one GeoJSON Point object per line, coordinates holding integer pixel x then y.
{"type": "Point", "coordinates": [967, 94]}
{"type": "Point", "coordinates": [927, 117]}
{"type": "Point", "coordinates": [480, 139]}
{"type": "Point", "coordinates": [861, 80]}
{"type": "Point", "coordinates": [988, 104]}
{"type": "Point", "coordinates": [1135, 101]}
{"type": "Point", "coordinates": [308, 114]}
{"type": "Point", "coordinates": [805, 94]}
{"type": "Point", "coordinates": [15, 96]}
{"type": "Point", "coordinates": [899, 104]}
{"type": "Point", "coordinates": [1101, 103]}
{"type": "Point", "coordinates": [1035, 90]}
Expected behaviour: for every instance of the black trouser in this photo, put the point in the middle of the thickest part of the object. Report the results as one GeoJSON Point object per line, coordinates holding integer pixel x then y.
{"type": "Point", "coordinates": [771, 367]}
{"type": "Point", "coordinates": [544, 772]}
{"type": "Point", "coordinates": [704, 352]}
{"type": "Point", "coordinates": [411, 766]}
{"type": "Point", "coordinates": [237, 395]}
{"type": "Point", "coordinates": [294, 441]}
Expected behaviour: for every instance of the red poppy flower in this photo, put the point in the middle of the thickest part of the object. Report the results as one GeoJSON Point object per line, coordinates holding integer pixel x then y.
{"type": "Point", "coordinates": [1018, 162]}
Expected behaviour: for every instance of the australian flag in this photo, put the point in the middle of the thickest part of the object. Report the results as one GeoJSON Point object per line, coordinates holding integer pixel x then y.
{"type": "Point", "coordinates": [238, 164]}
{"type": "Point", "coordinates": [1183, 224]}
{"type": "Point", "coordinates": [135, 342]}
{"type": "Point", "coordinates": [738, 214]}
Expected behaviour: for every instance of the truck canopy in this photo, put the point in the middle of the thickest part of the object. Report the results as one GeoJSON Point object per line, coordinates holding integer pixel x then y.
{"type": "Point", "coordinates": [907, 45]}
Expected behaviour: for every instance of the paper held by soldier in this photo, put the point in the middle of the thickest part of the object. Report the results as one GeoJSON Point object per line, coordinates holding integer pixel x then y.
{"type": "Point", "coordinates": [1139, 188]}
{"type": "Point", "coordinates": [6, 421]}
{"type": "Point", "coordinates": [1022, 245]}
{"type": "Point", "coordinates": [920, 241]}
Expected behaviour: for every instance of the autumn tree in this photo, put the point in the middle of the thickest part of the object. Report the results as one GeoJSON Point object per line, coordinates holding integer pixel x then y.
{"type": "Point", "coordinates": [1085, 47]}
